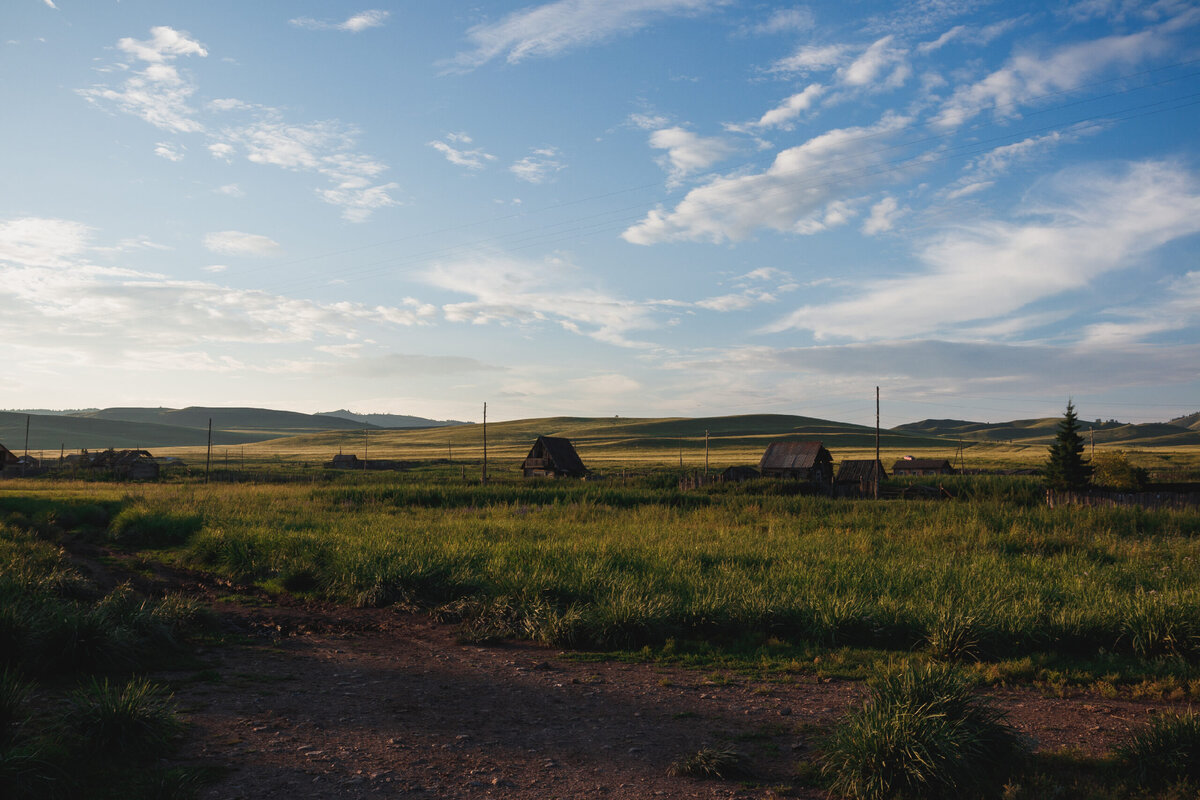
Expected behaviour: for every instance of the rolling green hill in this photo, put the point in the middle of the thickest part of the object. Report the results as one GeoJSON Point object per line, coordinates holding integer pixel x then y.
{"type": "Point", "coordinates": [1042, 431]}
{"type": "Point", "coordinates": [48, 432]}
{"type": "Point", "coordinates": [264, 420]}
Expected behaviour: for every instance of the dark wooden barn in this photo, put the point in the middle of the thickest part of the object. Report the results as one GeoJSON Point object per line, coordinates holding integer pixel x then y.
{"type": "Point", "coordinates": [553, 457]}
{"type": "Point", "coordinates": [7, 456]}
{"type": "Point", "coordinates": [857, 476]}
{"type": "Point", "coordinates": [922, 466]}
{"type": "Point", "coordinates": [805, 461]}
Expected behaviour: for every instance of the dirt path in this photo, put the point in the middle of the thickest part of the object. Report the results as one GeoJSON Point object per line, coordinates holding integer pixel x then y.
{"type": "Point", "coordinates": [329, 702]}
{"type": "Point", "coordinates": [319, 701]}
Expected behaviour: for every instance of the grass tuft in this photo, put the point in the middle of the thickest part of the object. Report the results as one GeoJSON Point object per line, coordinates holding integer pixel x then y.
{"type": "Point", "coordinates": [135, 720]}
{"type": "Point", "coordinates": [923, 732]}
{"type": "Point", "coordinates": [1167, 752]}
{"type": "Point", "coordinates": [711, 762]}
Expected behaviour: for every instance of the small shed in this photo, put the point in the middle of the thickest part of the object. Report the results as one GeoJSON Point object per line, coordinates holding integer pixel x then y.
{"type": "Point", "coordinates": [857, 476]}
{"type": "Point", "coordinates": [553, 457]}
{"type": "Point", "coordinates": [344, 461]}
{"type": "Point", "coordinates": [806, 461]}
{"type": "Point", "coordinates": [922, 466]}
{"type": "Point", "coordinates": [131, 464]}
{"type": "Point", "coordinates": [738, 474]}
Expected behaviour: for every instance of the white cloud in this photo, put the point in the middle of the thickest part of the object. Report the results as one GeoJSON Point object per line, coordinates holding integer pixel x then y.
{"type": "Point", "coordinates": [161, 96]}
{"type": "Point", "coordinates": [475, 158]}
{"type": "Point", "coordinates": [510, 291]}
{"type": "Point", "coordinates": [55, 298]}
{"type": "Point", "coordinates": [230, 190]}
{"type": "Point", "coordinates": [1029, 76]}
{"type": "Point", "coordinates": [688, 153]}
{"type": "Point", "coordinates": [355, 24]}
{"type": "Point", "coordinates": [801, 192]}
{"type": "Point", "coordinates": [812, 58]}
{"type": "Point", "coordinates": [869, 68]}
{"type": "Point", "coordinates": [539, 165]}
{"type": "Point", "coordinates": [236, 243]}
{"type": "Point", "coordinates": [785, 20]}
{"type": "Point", "coordinates": [40, 242]}
{"type": "Point", "coordinates": [883, 216]}
{"type": "Point", "coordinates": [1179, 309]}
{"type": "Point", "coordinates": [786, 112]}
{"type": "Point", "coordinates": [50, 4]}
{"type": "Point", "coordinates": [169, 151]}
{"type": "Point", "coordinates": [156, 94]}
{"type": "Point", "coordinates": [1092, 223]}
{"type": "Point", "coordinates": [554, 28]}
{"type": "Point", "coordinates": [648, 122]}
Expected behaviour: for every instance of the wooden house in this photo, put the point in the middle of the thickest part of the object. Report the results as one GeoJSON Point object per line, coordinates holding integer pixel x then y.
{"type": "Point", "coordinates": [7, 457]}
{"type": "Point", "coordinates": [553, 457]}
{"type": "Point", "coordinates": [857, 476]}
{"type": "Point", "coordinates": [805, 461]}
{"type": "Point", "coordinates": [130, 464]}
{"type": "Point", "coordinates": [738, 474]}
{"type": "Point", "coordinates": [922, 466]}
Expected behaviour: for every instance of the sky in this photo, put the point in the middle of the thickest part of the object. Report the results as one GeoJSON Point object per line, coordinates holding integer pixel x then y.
{"type": "Point", "coordinates": [603, 207]}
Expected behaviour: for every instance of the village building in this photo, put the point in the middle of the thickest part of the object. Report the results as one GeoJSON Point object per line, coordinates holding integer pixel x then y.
{"type": "Point", "coordinates": [738, 474]}
{"type": "Point", "coordinates": [805, 461]}
{"type": "Point", "coordinates": [857, 476]}
{"type": "Point", "coordinates": [7, 457]}
{"type": "Point", "coordinates": [922, 466]}
{"type": "Point", "coordinates": [553, 457]}
{"type": "Point", "coordinates": [138, 465]}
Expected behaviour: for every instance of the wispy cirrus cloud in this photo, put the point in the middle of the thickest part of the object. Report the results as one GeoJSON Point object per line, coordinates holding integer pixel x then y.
{"type": "Point", "coordinates": [794, 107]}
{"type": "Point", "coordinates": [804, 191]}
{"type": "Point", "coordinates": [356, 23]}
{"type": "Point", "coordinates": [1029, 76]}
{"type": "Point", "coordinates": [47, 279]}
{"type": "Point", "coordinates": [452, 148]}
{"type": "Point", "coordinates": [1092, 222]}
{"type": "Point", "coordinates": [237, 243]}
{"type": "Point", "coordinates": [554, 28]}
{"type": "Point", "coordinates": [163, 96]}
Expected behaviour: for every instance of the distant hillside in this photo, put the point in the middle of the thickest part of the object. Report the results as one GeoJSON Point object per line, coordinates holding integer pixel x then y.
{"type": "Point", "coordinates": [1191, 421]}
{"type": "Point", "coordinates": [1037, 431]}
{"type": "Point", "coordinates": [264, 420]}
{"type": "Point", "coordinates": [391, 420]}
{"type": "Point", "coordinates": [162, 427]}
{"type": "Point", "coordinates": [50, 432]}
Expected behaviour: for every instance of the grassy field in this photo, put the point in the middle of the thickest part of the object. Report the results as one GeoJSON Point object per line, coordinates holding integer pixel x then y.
{"type": "Point", "coordinates": [750, 572]}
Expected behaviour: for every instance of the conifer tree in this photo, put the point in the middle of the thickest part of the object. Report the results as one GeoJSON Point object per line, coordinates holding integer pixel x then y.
{"type": "Point", "coordinates": [1066, 469]}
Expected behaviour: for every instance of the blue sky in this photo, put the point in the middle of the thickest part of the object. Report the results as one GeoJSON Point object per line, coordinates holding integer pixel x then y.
{"type": "Point", "coordinates": [597, 207]}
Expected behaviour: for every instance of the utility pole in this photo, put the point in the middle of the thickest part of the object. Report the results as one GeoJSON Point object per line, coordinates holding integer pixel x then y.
{"type": "Point", "coordinates": [27, 418]}
{"type": "Point", "coordinates": [208, 456]}
{"type": "Point", "coordinates": [706, 451]}
{"type": "Point", "coordinates": [485, 443]}
{"type": "Point", "coordinates": [366, 449]}
{"type": "Point", "coordinates": [875, 469]}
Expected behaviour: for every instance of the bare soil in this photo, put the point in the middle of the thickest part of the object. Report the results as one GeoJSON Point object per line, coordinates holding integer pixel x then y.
{"type": "Point", "coordinates": [309, 700]}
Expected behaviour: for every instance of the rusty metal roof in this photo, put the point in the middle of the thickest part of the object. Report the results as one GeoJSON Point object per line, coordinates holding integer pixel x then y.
{"type": "Point", "coordinates": [793, 455]}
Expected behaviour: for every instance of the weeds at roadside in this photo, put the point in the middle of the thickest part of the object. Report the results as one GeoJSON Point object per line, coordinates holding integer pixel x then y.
{"type": "Point", "coordinates": [712, 763]}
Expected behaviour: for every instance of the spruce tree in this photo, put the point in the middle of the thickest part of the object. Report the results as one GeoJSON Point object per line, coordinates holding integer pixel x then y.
{"type": "Point", "coordinates": [1066, 469]}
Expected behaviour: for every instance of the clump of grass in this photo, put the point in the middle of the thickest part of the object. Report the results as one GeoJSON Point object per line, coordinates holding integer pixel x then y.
{"type": "Point", "coordinates": [953, 636]}
{"type": "Point", "coordinates": [135, 720]}
{"type": "Point", "coordinates": [14, 694]}
{"type": "Point", "coordinates": [923, 732]}
{"type": "Point", "coordinates": [1167, 752]}
{"type": "Point", "coordinates": [143, 527]}
{"type": "Point", "coordinates": [711, 762]}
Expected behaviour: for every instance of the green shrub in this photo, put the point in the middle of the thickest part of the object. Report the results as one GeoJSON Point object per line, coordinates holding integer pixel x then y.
{"type": "Point", "coordinates": [135, 720]}
{"type": "Point", "coordinates": [923, 732]}
{"type": "Point", "coordinates": [1166, 752]}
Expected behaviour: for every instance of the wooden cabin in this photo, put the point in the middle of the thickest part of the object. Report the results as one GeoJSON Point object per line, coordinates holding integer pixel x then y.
{"type": "Point", "coordinates": [857, 476]}
{"type": "Point", "coordinates": [553, 457]}
{"type": "Point", "coordinates": [805, 461]}
{"type": "Point", "coordinates": [7, 457]}
{"type": "Point", "coordinates": [922, 466]}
